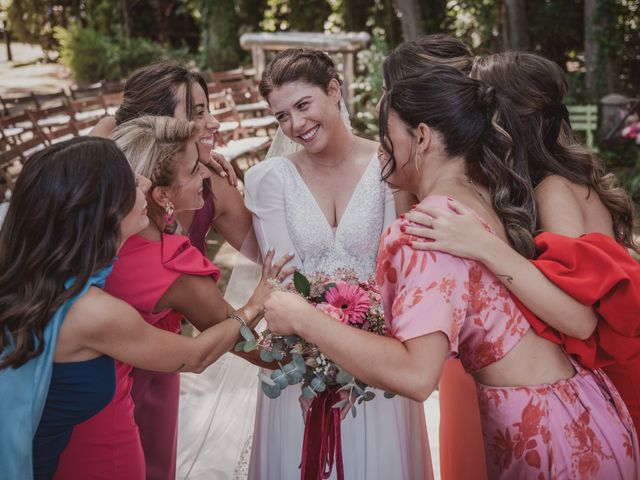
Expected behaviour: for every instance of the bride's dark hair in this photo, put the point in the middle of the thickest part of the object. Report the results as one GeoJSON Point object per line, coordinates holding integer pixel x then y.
{"type": "Point", "coordinates": [476, 123]}
{"type": "Point", "coordinates": [63, 221]}
{"type": "Point", "coordinates": [536, 87]}
{"type": "Point", "coordinates": [298, 64]}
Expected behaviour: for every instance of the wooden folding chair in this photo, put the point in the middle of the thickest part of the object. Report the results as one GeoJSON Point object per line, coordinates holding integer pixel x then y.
{"type": "Point", "coordinates": [87, 112]}
{"type": "Point", "coordinates": [54, 124]}
{"type": "Point", "coordinates": [46, 100]}
{"type": "Point", "coordinates": [18, 104]}
{"type": "Point", "coordinates": [86, 91]}
{"type": "Point", "coordinates": [10, 168]}
{"type": "Point", "coordinates": [19, 131]}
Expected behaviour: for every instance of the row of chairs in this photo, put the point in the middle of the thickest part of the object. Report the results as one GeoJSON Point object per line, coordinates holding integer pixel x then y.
{"type": "Point", "coordinates": [32, 129]}
{"type": "Point", "coordinates": [246, 127]}
{"type": "Point", "coordinates": [30, 122]}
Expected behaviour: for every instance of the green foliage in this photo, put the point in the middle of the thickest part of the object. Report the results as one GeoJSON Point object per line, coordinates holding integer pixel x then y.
{"type": "Point", "coordinates": [368, 83]}
{"type": "Point", "coordinates": [93, 56]}
{"type": "Point", "coordinates": [220, 42]}
{"type": "Point", "coordinates": [623, 159]}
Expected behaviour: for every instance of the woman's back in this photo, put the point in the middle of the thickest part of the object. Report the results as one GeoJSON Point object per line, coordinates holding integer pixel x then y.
{"type": "Point", "coordinates": [571, 209]}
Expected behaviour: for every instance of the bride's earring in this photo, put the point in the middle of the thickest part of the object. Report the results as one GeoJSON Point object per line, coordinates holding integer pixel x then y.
{"type": "Point", "coordinates": [415, 158]}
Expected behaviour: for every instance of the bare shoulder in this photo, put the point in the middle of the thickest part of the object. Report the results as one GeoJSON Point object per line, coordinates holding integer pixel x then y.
{"type": "Point", "coordinates": [96, 310]}
{"type": "Point", "coordinates": [367, 147]}
{"type": "Point", "coordinates": [104, 127]}
{"type": "Point", "coordinates": [560, 206]}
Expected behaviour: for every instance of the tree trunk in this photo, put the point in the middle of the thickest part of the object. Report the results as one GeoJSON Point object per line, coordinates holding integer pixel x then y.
{"type": "Point", "coordinates": [221, 46]}
{"type": "Point", "coordinates": [411, 18]}
{"type": "Point", "coordinates": [126, 19]}
{"type": "Point", "coordinates": [517, 26]}
{"type": "Point", "coordinates": [591, 49]}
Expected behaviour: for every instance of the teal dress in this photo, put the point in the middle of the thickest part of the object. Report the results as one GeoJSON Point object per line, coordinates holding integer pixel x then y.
{"type": "Point", "coordinates": [25, 391]}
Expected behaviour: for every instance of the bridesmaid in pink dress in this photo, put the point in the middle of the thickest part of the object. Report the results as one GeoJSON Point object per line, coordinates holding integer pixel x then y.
{"type": "Point", "coordinates": [165, 279]}
{"type": "Point", "coordinates": [461, 446]}
{"type": "Point", "coordinates": [543, 415]}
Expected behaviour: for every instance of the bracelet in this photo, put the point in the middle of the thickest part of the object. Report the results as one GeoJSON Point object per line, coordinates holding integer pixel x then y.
{"type": "Point", "coordinates": [238, 318]}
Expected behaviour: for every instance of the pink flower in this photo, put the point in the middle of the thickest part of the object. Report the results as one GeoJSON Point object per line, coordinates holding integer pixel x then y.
{"type": "Point", "coordinates": [353, 301]}
{"type": "Point", "coordinates": [332, 311]}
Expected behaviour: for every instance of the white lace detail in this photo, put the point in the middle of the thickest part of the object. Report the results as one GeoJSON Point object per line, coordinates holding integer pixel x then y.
{"type": "Point", "coordinates": [354, 243]}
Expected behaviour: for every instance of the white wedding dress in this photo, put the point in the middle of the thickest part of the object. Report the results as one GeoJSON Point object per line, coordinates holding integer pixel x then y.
{"type": "Point", "coordinates": [387, 439]}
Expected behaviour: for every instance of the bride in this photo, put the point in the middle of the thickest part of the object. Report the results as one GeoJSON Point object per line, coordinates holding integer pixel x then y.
{"type": "Point", "coordinates": [326, 203]}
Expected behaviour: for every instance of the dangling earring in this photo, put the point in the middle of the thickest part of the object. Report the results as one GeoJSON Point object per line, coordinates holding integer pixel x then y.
{"type": "Point", "coordinates": [415, 159]}
{"type": "Point", "coordinates": [169, 217]}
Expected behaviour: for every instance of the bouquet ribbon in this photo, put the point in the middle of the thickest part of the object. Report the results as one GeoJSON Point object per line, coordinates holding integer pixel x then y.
{"type": "Point", "coordinates": [322, 438]}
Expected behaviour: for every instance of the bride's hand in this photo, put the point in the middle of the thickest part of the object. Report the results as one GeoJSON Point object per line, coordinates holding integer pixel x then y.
{"type": "Point", "coordinates": [458, 233]}
{"type": "Point", "coordinates": [283, 310]}
{"type": "Point", "coordinates": [270, 272]}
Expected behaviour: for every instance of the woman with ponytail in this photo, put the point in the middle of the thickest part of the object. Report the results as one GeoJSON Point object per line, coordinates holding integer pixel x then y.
{"type": "Point", "coordinates": [584, 289]}
{"type": "Point", "coordinates": [445, 135]}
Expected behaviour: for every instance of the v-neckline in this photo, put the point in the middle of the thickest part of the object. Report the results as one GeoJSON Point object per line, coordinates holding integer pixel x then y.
{"type": "Point", "coordinates": [332, 230]}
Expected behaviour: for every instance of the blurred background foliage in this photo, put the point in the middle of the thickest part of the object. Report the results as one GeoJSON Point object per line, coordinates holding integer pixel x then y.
{"type": "Point", "coordinates": [597, 42]}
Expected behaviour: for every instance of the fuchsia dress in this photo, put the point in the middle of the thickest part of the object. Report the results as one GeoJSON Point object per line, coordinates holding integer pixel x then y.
{"type": "Point", "coordinates": [108, 445]}
{"type": "Point", "coordinates": [576, 428]}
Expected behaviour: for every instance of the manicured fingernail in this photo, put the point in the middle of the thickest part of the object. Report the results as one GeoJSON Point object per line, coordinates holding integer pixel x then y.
{"type": "Point", "coordinates": [450, 199]}
{"type": "Point", "coordinates": [223, 174]}
{"type": "Point", "coordinates": [271, 249]}
{"type": "Point", "coordinates": [291, 254]}
{"type": "Point", "coordinates": [403, 228]}
{"type": "Point", "coordinates": [414, 205]}
{"type": "Point", "coordinates": [402, 216]}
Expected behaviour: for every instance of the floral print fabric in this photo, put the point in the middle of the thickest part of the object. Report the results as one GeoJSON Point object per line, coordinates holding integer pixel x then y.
{"type": "Point", "coordinates": [577, 428]}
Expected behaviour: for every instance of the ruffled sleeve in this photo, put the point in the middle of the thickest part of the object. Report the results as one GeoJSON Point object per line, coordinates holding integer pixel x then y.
{"type": "Point", "coordinates": [265, 198]}
{"type": "Point", "coordinates": [596, 271]}
{"type": "Point", "coordinates": [146, 269]}
{"type": "Point", "coordinates": [423, 292]}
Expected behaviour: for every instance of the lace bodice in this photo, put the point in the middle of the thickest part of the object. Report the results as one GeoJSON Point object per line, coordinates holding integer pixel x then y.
{"type": "Point", "coordinates": [287, 217]}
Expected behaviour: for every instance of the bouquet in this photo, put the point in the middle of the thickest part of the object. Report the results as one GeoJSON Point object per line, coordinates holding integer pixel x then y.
{"type": "Point", "coordinates": [354, 303]}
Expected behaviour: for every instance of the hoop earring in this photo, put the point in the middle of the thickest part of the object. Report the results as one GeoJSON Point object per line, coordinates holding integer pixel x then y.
{"type": "Point", "coordinates": [169, 216]}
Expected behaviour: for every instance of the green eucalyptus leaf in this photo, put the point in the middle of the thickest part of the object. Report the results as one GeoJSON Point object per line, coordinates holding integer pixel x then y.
{"type": "Point", "coordinates": [353, 411]}
{"type": "Point", "coordinates": [298, 361]}
{"type": "Point", "coordinates": [291, 340]}
{"type": "Point", "coordinates": [266, 379]}
{"type": "Point", "coordinates": [280, 378]}
{"type": "Point", "coordinates": [239, 346]}
{"type": "Point", "coordinates": [266, 356]}
{"type": "Point", "coordinates": [246, 333]}
{"type": "Point", "coordinates": [360, 400]}
{"type": "Point", "coordinates": [368, 396]}
{"type": "Point", "coordinates": [271, 391]}
{"type": "Point", "coordinates": [302, 284]}
{"type": "Point", "coordinates": [307, 392]}
{"type": "Point", "coordinates": [318, 385]}
{"type": "Point", "coordinates": [358, 389]}
{"type": "Point", "coordinates": [277, 352]}
{"type": "Point", "coordinates": [343, 377]}
{"type": "Point", "coordinates": [389, 395]}
{"type": "Point", "coordinates": [250, 346]}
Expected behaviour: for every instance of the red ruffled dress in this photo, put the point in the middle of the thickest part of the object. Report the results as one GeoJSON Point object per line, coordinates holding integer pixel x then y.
{"type": "Point", "coordinates": [597, 271]}
{"type": "Point", "coordinates": [108, 446]}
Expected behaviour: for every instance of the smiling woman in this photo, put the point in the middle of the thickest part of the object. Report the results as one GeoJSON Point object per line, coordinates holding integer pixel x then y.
{"type": "Point", "coordinates": [326, 203]}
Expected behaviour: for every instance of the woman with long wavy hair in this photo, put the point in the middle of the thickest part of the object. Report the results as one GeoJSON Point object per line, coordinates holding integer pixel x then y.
{"type": "Point", "coordinates": [74, 205]}
{"type": "Point", "coordinates": [165, 279]}
{"type": "Point", "coordinates": [583, 286]}
{"type": "Point", "coordinates": [445, 135]}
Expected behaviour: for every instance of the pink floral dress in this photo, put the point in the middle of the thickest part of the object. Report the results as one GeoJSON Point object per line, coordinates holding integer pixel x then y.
{"type": "Point", "coordinates": [576, 428]}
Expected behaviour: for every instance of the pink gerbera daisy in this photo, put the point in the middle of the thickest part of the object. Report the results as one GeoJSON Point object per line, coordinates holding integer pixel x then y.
{"type": "Point", "coordinates": [352, 300]}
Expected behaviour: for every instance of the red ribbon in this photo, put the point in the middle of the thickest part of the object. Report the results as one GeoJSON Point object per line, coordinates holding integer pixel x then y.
{"type": "Point", "coordinates": [322, 438]}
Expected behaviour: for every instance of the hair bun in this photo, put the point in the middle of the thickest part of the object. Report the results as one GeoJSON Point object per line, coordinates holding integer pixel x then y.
{"type": "Point", "coordinates": [486, 94]}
